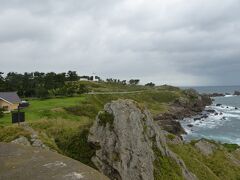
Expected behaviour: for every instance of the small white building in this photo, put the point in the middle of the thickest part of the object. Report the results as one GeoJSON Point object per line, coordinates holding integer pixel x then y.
{"type": "Point", "coordinates": [83, 79]}
{"type": "Point", "coordinates": [90, 78]}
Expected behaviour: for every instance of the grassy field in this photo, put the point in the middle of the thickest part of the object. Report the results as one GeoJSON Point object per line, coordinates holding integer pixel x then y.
{"type": "Point", "coordinates": [49, 108]}
{"type": "Point", "coordinates": [85, 107]}
{"type": "Point", "coordinates": [111, 87]}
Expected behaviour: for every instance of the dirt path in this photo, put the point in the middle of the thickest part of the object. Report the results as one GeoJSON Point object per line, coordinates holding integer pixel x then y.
{"type": "Point", "coordinates": [124, 92]}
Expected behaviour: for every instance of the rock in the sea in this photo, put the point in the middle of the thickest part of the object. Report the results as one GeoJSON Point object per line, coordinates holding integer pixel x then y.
{"type": "Point", "coordinates": [125, 135]}
{"type": "Point", "coordinates": [216, 94]}
{"type": "Point", "coordinates": [196, 119]}
{"type": "Point", "coordinates": [237, 93]}
{"type": "Point", "coordinates": [210, 111]}
{"type": "Point", "coordinates": [204, 116]}
{"type": "Point", "coordinates": [218, 104]}
{"type": "Point", "coordinates": [190, 125]}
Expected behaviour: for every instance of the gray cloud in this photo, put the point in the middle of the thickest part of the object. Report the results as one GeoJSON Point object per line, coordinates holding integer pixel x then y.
{"type": "Point", "coordinates": [176, 42]}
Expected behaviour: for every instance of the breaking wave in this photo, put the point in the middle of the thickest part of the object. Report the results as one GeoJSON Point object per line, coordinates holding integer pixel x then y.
{"type": "Point", "coordinates": [218, 122]}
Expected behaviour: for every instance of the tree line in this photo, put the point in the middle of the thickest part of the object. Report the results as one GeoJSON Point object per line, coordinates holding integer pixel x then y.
{"type": "Point", "coordinates": [42, 85]}
{"type": "Point", "coordinates": [39, 84]}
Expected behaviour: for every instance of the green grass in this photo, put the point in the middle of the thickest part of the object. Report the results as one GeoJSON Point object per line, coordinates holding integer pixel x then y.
{"type": "Point", "coordinates": [69, 138]}
{"type": "Point", "coordinates": [9, 133]}
{"type": "Point", "coordinates": [165, 168]}
{"type": "Point", "coordinates": [50, 108]}
{"type": "Point", "coordinates": [105, 117]}
{"type": "Point", "coordinates": [111, 87]}
{"type": "Point", "coordinates": [214, 167]}
{"type": "Point", "coordinates": [231, 147]}
{"type": "Point", "coordinates": [75, 108]}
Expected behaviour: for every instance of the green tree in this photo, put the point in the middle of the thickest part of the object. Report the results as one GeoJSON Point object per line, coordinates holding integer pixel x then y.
{"type": "Point", "coordinates": [42, 93]}
{"type": "Point", "coordinates": [82, 89]}
{"type": "Point", "coordinates": [2, 82]}
{"type": "Point", "coordinates": [134, 81]}
{"type": "Point", "coordinates": [72, 76]}
{"type": "Point", "coordinates": [150, 84]}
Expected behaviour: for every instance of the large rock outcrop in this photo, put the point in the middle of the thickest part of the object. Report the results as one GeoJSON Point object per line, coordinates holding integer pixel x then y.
{"type": "Point", "coordinates": [126, 137]}
{"type": "Point", "coordinates": [191, 104]}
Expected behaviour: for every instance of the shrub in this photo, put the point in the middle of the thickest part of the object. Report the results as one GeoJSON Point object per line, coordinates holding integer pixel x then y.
{"type": "Point", "coordinates": [231, 147]}
{"type": "Point", "coordinates": [106, 117]}
{"type": "Point", "coordinates": [9, 133]}
{"type": "Point", "coordinates": [171, 136]}
{"type": "Point", "coordinates": [75, 145]}
{"type": "Point", "coordinates": [150, 84]}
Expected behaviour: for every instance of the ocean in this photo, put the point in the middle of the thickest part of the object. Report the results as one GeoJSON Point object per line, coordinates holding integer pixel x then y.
{"type": "Point", "coordinates": [223, 124]}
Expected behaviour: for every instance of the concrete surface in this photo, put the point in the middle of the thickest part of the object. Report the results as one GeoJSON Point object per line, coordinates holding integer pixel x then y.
{"type": "Point", "coordinates": [19, 162]}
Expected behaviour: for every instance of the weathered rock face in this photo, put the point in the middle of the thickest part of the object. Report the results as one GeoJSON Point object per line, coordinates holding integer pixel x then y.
{"type": "Point", "coordinates": [205, 147]}
{"type": "Point", "coordinates": [20, 162]}
{"type": "Point", "coordinates": [183, 107]}
{"type": "Point", "coordinates": [125, 135]}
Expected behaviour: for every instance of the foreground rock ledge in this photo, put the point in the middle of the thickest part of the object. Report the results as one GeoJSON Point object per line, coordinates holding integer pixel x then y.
{"type": "Point", "coordinates": [18, 162]}
{"type": "Point", "coordinates": [125, 137]}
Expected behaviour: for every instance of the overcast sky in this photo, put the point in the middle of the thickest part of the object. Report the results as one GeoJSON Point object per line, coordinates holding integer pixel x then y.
{"type": "Point", "coordinates": [178, 42]}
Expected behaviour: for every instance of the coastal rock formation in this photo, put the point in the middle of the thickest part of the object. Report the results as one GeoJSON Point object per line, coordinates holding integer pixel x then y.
{"type": "Point", "coordinates": [126, 138]}
{"type": "Point", "coordinates": [190, 105]}
{"type": "Point", "coordinates": [237, 93]}
{"type": "Point", "coordinates": [216, 95]}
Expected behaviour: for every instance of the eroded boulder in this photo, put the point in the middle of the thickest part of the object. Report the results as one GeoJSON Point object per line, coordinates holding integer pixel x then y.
{"type": "Point", "coordinates": [205, 147]}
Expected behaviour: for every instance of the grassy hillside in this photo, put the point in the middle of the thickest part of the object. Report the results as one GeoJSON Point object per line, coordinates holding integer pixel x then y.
{"type": "Point", "coordinates": [63, 122]}
{"type": "Point", "coordinates": [63, 125]}
{"type": "Point", "coordinates": [223, 164]}
{"type": "Point", "coordinates": [85, 107]}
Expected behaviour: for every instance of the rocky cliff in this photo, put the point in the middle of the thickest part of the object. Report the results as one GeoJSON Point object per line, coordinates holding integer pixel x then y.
{"type": "Point", "coordinates": [129, 143]}
{"type": "Point", "coordinates": [191, 104]}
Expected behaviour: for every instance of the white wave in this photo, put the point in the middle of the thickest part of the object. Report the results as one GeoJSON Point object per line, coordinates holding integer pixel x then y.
{"type": "Point", "coordinates": [226, 109]}
{"type": "Point", "coordinates": [232, 115]}
{"type": "Point", "coordinates": [230, 95]}
{"type": "Point", "coordinates": [212, 121]}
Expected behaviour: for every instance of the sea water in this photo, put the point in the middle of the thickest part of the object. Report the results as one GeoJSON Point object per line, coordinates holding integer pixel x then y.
{"type": "Point", "coordinates": [224, 124]}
